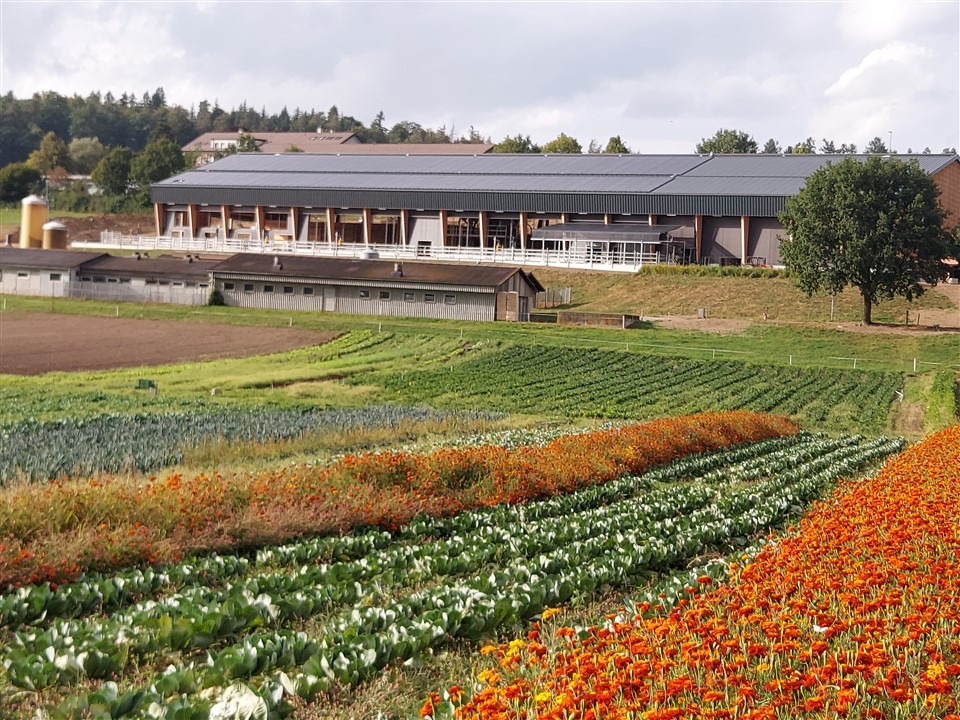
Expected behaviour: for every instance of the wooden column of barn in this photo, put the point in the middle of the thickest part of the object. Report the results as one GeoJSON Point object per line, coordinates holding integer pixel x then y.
{"type": "Point", "coordinates": [331, 223]}
{"type": "Point", "coordinates": [698, 234]}
{"type": "Point", "coordinates": [744, 238]}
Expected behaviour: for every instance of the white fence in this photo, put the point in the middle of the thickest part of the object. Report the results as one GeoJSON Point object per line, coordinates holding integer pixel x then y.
{"type": "Point", "coordinates": [575, 258]}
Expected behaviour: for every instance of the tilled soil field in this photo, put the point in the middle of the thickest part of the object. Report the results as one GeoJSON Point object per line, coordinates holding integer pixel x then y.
{"type": "Point", "coordinates": [33, 344]}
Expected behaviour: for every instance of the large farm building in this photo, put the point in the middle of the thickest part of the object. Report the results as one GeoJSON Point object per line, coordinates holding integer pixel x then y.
{"type": "Point", "coordinates": [618, 211]}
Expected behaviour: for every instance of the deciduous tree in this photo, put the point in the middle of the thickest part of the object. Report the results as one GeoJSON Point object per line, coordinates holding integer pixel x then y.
{"type": "Point", "coordinates": [518, 144]}
{"type": "Point", "coordinates": [728, 142]}
{"type": "Point", "coordinates": [112, 173]}
{"type": "Point", "coordinates": [616, 146]}
{"type": "Point", "coordinates": [875, 225]}
{"type": "Point", "coordinates": [563, 143]}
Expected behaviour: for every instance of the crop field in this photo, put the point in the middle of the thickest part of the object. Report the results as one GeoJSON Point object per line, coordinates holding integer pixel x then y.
{"type": "Point", "coordinates": [577, 382]}
{"type": "Point", "coordinates": [436, 521]}
{"type": "Point", "coordinates": [295, 620]}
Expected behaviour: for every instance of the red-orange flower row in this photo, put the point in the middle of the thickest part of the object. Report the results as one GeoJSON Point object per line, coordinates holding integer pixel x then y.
{"type": "Point", "coordinates": [53, 532]}
{"type": "Point", "coordinates": [853, 614]}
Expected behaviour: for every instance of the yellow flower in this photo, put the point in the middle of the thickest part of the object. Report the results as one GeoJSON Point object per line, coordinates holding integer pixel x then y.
{"type": "Point", "coordinates": [549, 613]}
{"type": "Point", "coordinates": [543, 697]}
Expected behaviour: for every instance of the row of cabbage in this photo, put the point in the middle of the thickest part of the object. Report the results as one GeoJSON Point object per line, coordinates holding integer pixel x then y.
{"type": "Point", "coordinates": [38, 450]}
{"type": "Point", "coordinates": [614, 383]}
{"type": "Point", "coordinates": [378, 599]}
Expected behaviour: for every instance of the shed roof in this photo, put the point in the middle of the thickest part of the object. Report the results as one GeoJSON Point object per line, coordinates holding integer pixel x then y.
{"type": "Point", "coordinates": [295, 266]}
{"type": "Point", "coordinates": [39, 258]}
{"type": "Point", "coordinates": [164, 266]}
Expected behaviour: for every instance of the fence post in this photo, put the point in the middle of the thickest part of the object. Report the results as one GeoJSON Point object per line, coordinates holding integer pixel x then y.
{"type": "Point", "coordinates": [914, 364]}
{"type": "Point", "coordinates": [791, 360]}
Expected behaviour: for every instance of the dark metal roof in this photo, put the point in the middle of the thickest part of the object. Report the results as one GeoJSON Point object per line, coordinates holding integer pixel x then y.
{"type": "Point", "coordinates": [38, 258]}
{"type": "Point", "coordinates": [165, 266]}
{"type": "Point", "coordinates": [617, 232]}
{"type": "Point", "coordinates": [295, 266]}
{"type": "Point", "coordinates": [755, 185]}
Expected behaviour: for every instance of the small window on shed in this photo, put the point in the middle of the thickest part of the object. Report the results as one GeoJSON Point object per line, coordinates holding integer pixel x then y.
{"type": "Point", "coordinates": [99, 278]}
{"type": "Point", "coordinates": [111, 280]}
{"type": "Point", "coordinates": [429, 297]}
{"type": "Point", "coordinates": [409, 297]}
{"type": "Point", "coordinates": [55, 277]}
{"type": "Point", "coordinates": [384, 294]}
{"type": "Point", "coordinates": [124, 281]}
{"type": "Point", "coordinates": [228, 286]}
{"type": "Point", "coordinates": [268, 288]}
{"type": "Point", "coordinates": [165, 283]}
{"type": "Point", "coordinates": [450, 299]}
{"type": "Point", "coordinates": [177, 283]}
{"type": "Point", "coordinates": [23, 274]}
{"type": "Point", "coordinates": [307, 290]}
{"type": "Point", "coordinates": [85, 279]}
{"type": "Point", "coordinates": [203, 286]}
{"type": "Point", "coordinates": [288, 289]}
{"type": "Point", "coordinates": [364, 294]}
{"type": "Point", "coordinates": [150, 281]}
{"type": "Point", "coordinates": [248, 287]}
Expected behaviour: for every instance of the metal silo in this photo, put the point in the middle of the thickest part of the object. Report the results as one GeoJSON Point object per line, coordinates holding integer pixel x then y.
{"type": "Point", "coordinates": [33, 216]}
{"type": "Point", "coordinates": [54, 236]}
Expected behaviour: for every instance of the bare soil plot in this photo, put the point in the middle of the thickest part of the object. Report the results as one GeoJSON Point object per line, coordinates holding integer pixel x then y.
{"type": "Point", "coordinates": [33, 344]}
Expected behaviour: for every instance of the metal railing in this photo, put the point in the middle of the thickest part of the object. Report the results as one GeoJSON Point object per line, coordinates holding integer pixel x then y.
{"type": "Point", "coordinates": [578, 258]}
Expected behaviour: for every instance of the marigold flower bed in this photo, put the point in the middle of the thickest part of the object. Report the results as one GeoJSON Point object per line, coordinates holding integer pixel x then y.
{"type": "Point", "coordinates": [855, 613]}
{"type": "Point", "coordinates": [54, 532]}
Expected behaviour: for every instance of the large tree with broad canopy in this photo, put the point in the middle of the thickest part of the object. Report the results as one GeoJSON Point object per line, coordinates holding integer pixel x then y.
{"type": "Point", "coordinates": [873, 224]}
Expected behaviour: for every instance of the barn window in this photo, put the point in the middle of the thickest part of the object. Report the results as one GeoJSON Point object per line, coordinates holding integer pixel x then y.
{"type": "Point", "coordinates": [308, 291]}
{"type": "Point", "coordinates": [450, 299]}
{"type": "Point", "coordinates": [111, 280]}
{"type": "Point", "coordinates": [203, 286]}
{"type": "Point", "coordinates": [85, 279]}
{"type": "Point", "coordinates": [150, 281]}
{"type": "Point", "coordinates": [384, 294]}
{"type": "Point", "coordinates": [288, 289]}
{"type": "Point", "coordinates": [55, 277]}
{"type": "Point", "coordinates": [23, 274]}
{"type": "Point", "coordinates": [408, 297]}
{"type": "Point", "coordinates": [268, 288]}
{"type": "Point", "coordinates": [165, 283]}
{"type": "Point", "coordinates": [429, 297]}
{"type": "Point", "coordinates": [364, 294]}
{"type": "Point", "coordinates": [124, 281]}
{"type": "Point", "coordinates": [248, 287]}
{"type": "Point", "coordinates": [99, 278]}
{"type": "Point", "coordinates": [228, 286]}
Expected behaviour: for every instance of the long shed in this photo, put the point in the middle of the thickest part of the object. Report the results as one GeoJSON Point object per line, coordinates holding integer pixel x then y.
{"type": "Point", "coordinates": [45, 273]}
{"type": "Point", "coordinates": [376, 287]}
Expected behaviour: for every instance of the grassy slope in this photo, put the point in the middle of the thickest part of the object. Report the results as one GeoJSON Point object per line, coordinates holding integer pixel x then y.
{"type": "Point", "coordinates": [724, 297]}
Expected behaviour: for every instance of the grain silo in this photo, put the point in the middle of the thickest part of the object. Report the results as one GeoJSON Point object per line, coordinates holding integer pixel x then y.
{"type": "Point", "coordinates": [33, 217]}
{"type": "Point", "coordinates": [54, 236]}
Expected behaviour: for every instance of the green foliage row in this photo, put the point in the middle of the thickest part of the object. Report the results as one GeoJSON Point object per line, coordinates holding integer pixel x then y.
{"type": "Point", "coordinates": [942, 405]}
{"type": "Point", "coordinates": [583, 382]}
{"type": "Point", "coordinates": [114, 443]}
{"type": "Point", "coordinates": [747, 271]}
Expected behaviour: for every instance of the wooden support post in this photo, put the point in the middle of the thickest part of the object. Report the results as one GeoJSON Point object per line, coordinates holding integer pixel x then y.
{"type": "Point", "coordinates": [606, 218]}
{"type": "Point", "coordinates": [225, 219]}
{"type": "Point", "coordinates": [744, 238]}
{"type": "Point", "coordinates": [404, 226]}
{"type": "Point", "coordinates": [698, 234]}
{"type": "Point", "coordinates": [192, 219]}
{"type": "Point", "coordinates": [564, 218]}
{"type": "Point", "coordinates": [367, 215]}
{"type": "Point", "coordinates": [293, 223]}
{"type": "Point", "coordinates": [157, 220]}
{"type": "Point", "coordinates": [261, 217]}
{"type": "Point", "coordinates": [523, 231]}
{"type": "Point", "coordinates": [443, 228]}
{"type": "Point", "coordinates": [331, 225]}
{"type": "Point", "coordinates": [651, 220]}
{"type": "Point", "coordinates": [483, 228]}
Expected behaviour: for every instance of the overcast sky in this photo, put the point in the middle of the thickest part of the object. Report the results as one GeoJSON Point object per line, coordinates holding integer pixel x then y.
{"type": "Point", "coordinates": [662, 75]}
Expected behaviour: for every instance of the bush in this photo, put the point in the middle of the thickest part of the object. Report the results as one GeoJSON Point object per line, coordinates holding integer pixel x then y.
{"type": "Point", "coordinates": [216, 298]}
{"type": "Point", "coordinates": [747, 271]}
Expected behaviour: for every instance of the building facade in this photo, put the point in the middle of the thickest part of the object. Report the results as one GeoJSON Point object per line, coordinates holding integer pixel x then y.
{"type": "Point", "coordinates": [716, 209]}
